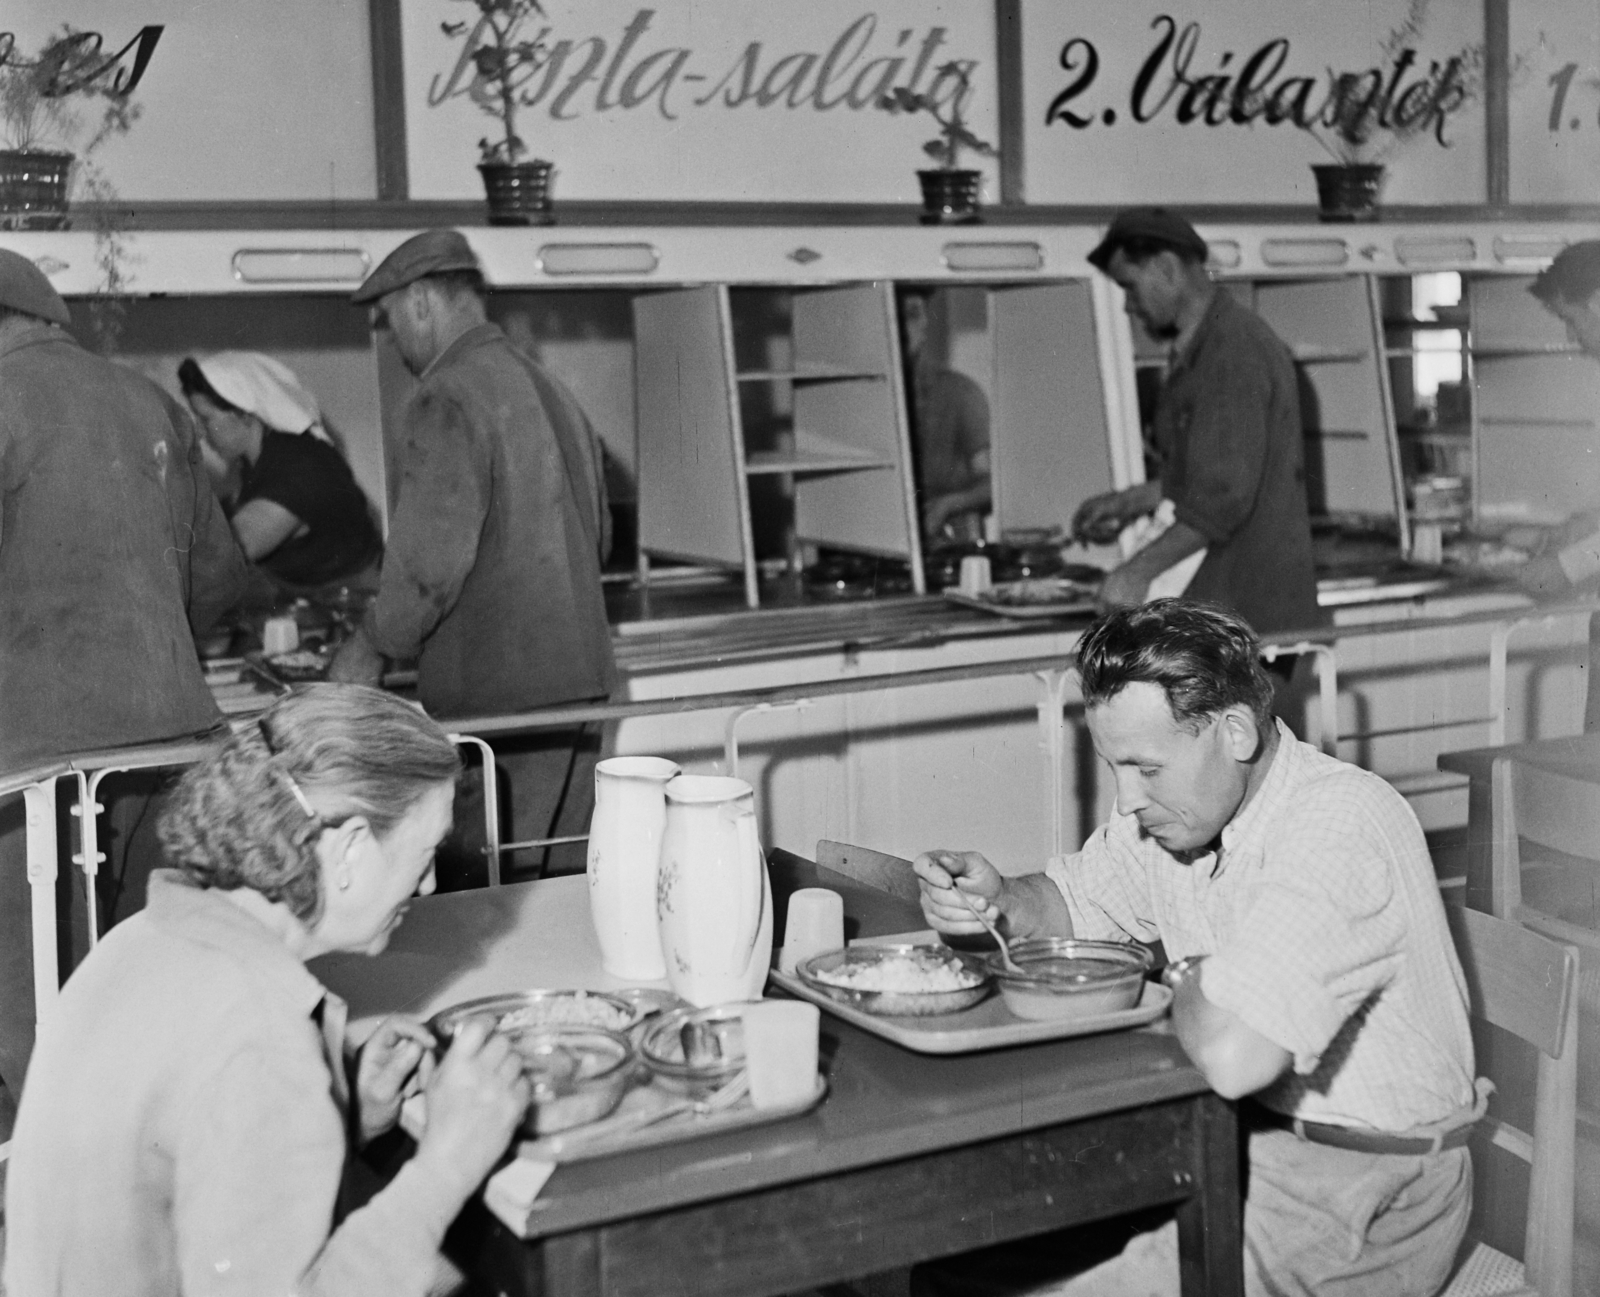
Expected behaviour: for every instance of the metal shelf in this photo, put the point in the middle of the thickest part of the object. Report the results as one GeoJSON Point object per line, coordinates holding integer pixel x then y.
{"type": "Point", "coordinates": [813, 373]}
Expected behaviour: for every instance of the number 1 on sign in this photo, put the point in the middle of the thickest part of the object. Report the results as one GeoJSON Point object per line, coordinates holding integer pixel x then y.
{"type": "Point", "coordinates": [1560, 81]}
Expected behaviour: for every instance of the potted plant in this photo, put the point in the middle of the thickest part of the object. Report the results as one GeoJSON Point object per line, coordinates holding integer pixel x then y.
{"type": "Point", "coordinates": [42, 121]}
{"type": "Point", "coordinates": [517, 186]}
{"type": "Point", "coordinates": [1367, 116]}
{"type": "Point", "coordinates": [949, 192]}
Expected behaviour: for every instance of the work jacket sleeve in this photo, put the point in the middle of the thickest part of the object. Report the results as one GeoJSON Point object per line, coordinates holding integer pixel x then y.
{"type": "Point", "coordinates": [1226, 452]}
{"type": "Point", "coordinates": [446, 483]}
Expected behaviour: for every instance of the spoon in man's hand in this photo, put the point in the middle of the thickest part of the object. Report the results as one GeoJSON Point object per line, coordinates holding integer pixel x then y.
{"type": "Point", "coordinates": [1005, 950]}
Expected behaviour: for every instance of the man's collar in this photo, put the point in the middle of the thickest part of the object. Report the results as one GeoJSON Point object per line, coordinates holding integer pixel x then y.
{"type": "Point", "coordinates": [32, 334]}
{"type": "Point", "coordinates": [1186, 350]}
{"type": "Point", "coordinates": [1269, 792]}
{"type": "Point", "coordinates": [476, 335]}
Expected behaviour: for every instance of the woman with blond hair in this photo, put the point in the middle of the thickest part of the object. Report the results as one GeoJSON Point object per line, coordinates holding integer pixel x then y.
{"type": "Point", "coordinates": [189, 1106]}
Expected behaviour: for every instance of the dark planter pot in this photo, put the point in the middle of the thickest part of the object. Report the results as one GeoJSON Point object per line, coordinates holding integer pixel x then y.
{"type": "Point", "coordinates": [950, 197]}
{"type": "Point", "coordinates": [33, 189]}
{"type": "Point", "coordinates": [1348, 191]}
{"type": "Point", "coordinates": [518, 192]}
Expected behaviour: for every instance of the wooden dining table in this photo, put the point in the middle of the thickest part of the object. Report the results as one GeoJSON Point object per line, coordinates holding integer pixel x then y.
{"type": "Point", "coordinates": [909, 1157]}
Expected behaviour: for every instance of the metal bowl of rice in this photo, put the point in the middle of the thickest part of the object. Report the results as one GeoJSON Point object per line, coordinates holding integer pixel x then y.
{"type": "Point", "coordinates": [898, 981]}
{"type": "Point", "coordinates": [524, 1010]}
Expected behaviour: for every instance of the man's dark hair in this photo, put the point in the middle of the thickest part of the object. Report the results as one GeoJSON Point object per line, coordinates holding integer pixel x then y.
{"type": "Point", "coordinates": [1204, 657]}
{"type": "Point", "coordinates": [461, 283]}
{"type": "Point", "coordinates": [1574, 276]}
{"type": "Point", "coordinates": [192, 382]}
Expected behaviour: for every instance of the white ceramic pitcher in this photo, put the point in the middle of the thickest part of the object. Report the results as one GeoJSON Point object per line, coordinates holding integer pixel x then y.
{"type": "Point", "coordinates": [630, 814]}
{"type": "Point", "coordinates": [714, 902]}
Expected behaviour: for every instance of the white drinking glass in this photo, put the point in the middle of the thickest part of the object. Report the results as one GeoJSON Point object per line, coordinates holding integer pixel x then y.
{"type": "Point", "coordinates": [780, 1051]}
{"type": "Point", "coordinates": [815, 926]}
{"type": "Point", "coordinates": [976, 576]}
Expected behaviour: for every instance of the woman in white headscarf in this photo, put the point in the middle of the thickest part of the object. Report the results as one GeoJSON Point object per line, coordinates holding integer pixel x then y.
{"type": "Point", "coordinates": [298, 512]}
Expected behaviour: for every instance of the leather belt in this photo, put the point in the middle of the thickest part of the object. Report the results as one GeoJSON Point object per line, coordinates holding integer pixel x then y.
{"type": "Point", "coordinates": [1363, 1141]}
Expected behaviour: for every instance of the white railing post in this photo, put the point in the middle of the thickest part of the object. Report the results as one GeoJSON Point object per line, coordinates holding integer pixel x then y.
{"type": "Point", "coordinates": [1053, 739]}
{"type": "Point", "coordinates": [39, 801]}
{"type": "Point", "coordinates": [730, 731]}
{"type": "Point", "coordinates": [491, 802]}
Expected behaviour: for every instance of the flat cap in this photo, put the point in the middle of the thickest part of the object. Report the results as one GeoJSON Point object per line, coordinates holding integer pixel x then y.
{"type": "Point", "coordinates": [1148, 225]}
{"type": "Point", "coordinates": [1574, 276]}
{"type": "Point", "coordinates": [433, 252]}
{"type": "Point", "coordinates": [24, 288]}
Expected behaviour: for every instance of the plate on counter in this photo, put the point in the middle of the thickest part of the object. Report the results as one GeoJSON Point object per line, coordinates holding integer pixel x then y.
{"type": "Point", "coordinates": [297, 666]}
{"type": "Point", "coordinates": [1036, 597]}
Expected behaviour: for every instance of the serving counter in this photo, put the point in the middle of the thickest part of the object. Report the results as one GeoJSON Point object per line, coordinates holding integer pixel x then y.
{"type": "Point", "coordinates": [908, 721]}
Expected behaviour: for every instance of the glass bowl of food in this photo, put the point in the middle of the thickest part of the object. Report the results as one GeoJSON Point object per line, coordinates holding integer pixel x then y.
{"type": "Point", "coordinates": [1064, 977]}
{"type": "Point", "coordinates": [899, 980]}
{"type": "Point", "coordinates": [521, 1010]}
{"type": "Point", "coordinates": [577, 1074]}
{"type": "Point", "coordinates": [695, 1051]}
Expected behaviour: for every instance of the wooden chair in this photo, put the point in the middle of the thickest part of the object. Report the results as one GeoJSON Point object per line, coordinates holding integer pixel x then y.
{"type": "Point", "coordinates": [1526, 984]}
{"type": "Point", "coordinates": [871, 868]}
{"type": "Point", "coordinates": [1543, 841]}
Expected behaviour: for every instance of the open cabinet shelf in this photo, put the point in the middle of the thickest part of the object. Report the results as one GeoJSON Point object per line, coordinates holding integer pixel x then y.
{"type": "Point", "coordinates": [810, 373]}
{"type": "Point", "coordinates": [851, 488]}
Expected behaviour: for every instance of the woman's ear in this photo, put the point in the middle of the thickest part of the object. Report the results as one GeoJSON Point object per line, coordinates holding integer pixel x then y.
{"type": "Point", "coordinates": [1242, 734]}
{"type": "Point", "coordinates": [339, 849]}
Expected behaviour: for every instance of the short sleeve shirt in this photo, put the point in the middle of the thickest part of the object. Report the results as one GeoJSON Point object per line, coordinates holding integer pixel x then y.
{"type": "Point", "coordinates": [1321, 919]}
{"type": "Point", "coordinates": [310, 479]}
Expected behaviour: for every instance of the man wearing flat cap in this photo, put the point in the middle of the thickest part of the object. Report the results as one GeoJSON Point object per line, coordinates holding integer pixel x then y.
{"type": "Point", "coordinates": [1569, 288]}
{"type": "Point", "coordinates": [491, 572]}
{"type": "Point", "coordinates": [1226, 436]}
{"type": "Point", "coordinates": [114, 554]}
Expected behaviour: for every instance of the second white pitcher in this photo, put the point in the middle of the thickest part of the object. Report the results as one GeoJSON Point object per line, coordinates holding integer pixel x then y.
{"type": "Point", "coordinates": [713, 900]}
{"type": "Point", "coordinates": [624, 855]}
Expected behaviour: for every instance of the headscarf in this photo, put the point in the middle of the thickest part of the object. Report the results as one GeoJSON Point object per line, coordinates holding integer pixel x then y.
{"type": "Point", "coordinates": [266, 388]}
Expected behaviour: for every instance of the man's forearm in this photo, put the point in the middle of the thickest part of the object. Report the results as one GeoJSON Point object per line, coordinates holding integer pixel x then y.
{"type": "Point", "coordinates": [1173, 545]}
{"type": "Point", "coordinates": [1235, 1059]}
{"type": "Point", "coordinates": [1034, 907]}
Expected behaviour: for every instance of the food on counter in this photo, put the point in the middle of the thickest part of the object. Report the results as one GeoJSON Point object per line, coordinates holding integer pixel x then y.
{"type": "Point", "coordinates": [298, 664]}
{"type": "Point", "coordinates": [904, 972]}
{"type": "Point", "coordinates": [1025, 594]}
{"type": "Point", "coordinates": [1484, 555]}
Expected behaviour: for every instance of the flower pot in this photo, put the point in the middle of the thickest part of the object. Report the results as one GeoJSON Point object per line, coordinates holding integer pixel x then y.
{"type": "Point", "coordinates": [1348, 191]}
{"type": "Point", "coordinates": [950, 197]}
{"type": "Point", "coordinates": [518, 192]}
{"type": "Point", "coordinates": [33, 189]}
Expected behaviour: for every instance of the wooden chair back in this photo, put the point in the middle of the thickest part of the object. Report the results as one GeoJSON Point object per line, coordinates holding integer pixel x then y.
{"type": "Point", "coordinates": [871, 868]}
{"type": "Point", "coordinates": [1545, 847]}
{"type": "Point", "coordinates": [1525, 983]}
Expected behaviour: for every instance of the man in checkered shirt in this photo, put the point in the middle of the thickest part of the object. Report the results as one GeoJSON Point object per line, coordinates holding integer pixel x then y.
{"type": "Point", "coordinates": [1311, 963]}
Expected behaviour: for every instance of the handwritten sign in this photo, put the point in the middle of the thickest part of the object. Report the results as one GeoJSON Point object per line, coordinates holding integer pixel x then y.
{"type": "Point", "coordinates": [1555, 103]}
{"type": "Point", "coordinates": [718, 99]}
{"type": "Point", "coordinates": [1229, 101]}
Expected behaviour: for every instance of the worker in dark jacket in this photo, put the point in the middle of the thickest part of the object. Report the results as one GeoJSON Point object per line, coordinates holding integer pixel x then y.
{"type": "Point", "coordinates": [491, 572]}
{"type": "Point", "coordinates": [114, 554]}
{"type": "Point", "coordinates": [1227, 435]}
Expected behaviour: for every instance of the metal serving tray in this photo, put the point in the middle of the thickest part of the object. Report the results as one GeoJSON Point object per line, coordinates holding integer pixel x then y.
{"type": "Point", "coordinates": [986, 1025]}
